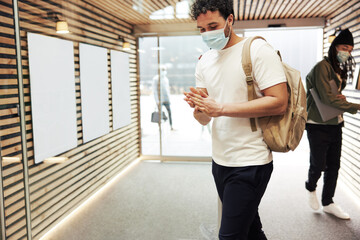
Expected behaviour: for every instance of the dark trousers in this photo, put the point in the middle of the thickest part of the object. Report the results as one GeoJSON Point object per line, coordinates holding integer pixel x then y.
{"type": "Point", "coordinates": [167, 106]}
{"type": "Point", "coordinates": [325, 151]}
{"type": "Point", "coordinates": [240, 189]}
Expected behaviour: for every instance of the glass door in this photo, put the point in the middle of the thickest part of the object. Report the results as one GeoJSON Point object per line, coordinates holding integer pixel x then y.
{"type": "Point", "coordinates": [179, 56]}
{"type": "Point", "coordinates": [167, 68]}
{"type": "Point", "coordinates": [149, 68]}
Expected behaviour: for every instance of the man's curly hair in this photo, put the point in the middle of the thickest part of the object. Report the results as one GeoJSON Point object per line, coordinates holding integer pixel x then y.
{"type": "Point", "coordinates": [225, 7]}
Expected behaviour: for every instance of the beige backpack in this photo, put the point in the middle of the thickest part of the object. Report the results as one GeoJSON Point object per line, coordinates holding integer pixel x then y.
{"type": "Point", "coordinates": [282, 132]}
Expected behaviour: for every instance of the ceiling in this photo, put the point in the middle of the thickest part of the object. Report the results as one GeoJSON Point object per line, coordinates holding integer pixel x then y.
{"type": "Point", "coordinates": [138, 12]}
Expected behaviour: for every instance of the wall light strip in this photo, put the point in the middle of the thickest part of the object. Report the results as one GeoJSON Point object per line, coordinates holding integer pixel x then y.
{"type": "Point", "coordinates": [107, 185]}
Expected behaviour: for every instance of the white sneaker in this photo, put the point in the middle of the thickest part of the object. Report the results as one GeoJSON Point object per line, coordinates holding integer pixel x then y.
{"type": "Point", "coordinates": [209, 231]}
{"type": "Point", "coordinates": [313, 201]}
{"type": "Point", "coordinates": [336, 211]}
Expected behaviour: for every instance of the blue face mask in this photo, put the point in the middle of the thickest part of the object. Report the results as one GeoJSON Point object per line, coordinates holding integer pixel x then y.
{"type": "Point", "coordinates": [216, 39]}
{"type": "Point", "coordinates": [342, 56]}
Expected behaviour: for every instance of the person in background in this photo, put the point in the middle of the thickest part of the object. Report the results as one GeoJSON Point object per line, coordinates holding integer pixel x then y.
{"type": "Point", "coordinates": [325, 138]}
{"type": "Point", "coordinates": [242, 162]}
{"type": "Point", "coordinates": [164, 92]}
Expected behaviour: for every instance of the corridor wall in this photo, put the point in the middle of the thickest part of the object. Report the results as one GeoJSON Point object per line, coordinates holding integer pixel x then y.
{"type": "Point", "coordinates": [13, 186]}
{"type": "Point", "coordinates": [349, 17]}
{"type": "Point", "coordinates": [57, 189]}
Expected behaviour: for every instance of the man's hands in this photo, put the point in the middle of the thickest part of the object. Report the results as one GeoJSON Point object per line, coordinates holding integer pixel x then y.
{"type": "Point", "coordinates": [274, 102]}
{"type": "Point", "coordinates": [201, 102]}
{"type": "Point", "coordinates": [190, 98]}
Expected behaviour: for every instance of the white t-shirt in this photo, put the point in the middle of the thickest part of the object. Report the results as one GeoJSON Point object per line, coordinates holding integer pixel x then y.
{"type": "Point", "coordinates": [221, 73]}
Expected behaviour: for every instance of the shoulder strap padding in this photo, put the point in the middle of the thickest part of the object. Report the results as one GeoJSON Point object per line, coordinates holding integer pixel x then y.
{"type": "Point", "coordinates": [247, 66]}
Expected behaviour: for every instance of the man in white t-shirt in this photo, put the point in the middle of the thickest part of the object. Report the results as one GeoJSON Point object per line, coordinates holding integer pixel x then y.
{"type": "Point", "coordinates": [242, 162]}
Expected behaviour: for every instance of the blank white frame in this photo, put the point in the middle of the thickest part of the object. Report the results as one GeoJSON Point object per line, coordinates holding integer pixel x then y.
{"type": "Point", "coordinates": [53, 99]}
{"type": "Point", "coordinates": [120, 88]}
{"type": "Point", "coordinates": [94, 91]}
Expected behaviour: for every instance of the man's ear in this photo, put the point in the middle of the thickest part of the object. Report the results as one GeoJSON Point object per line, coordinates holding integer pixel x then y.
{"type": "Point", "coordinates": [231, 19]}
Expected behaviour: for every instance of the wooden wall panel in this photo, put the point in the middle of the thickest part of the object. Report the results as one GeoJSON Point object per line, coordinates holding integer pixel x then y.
{"type": "Point", "coordinates": [271, 9]}
{"type": "Point", "coordinates": [349, 17]}
{"type": "Point", "coordinates": [57, 189]}
{"type": "Point", "coordinates": [138, 12]}
{"type": "Point", "coordinates": [14, 202]}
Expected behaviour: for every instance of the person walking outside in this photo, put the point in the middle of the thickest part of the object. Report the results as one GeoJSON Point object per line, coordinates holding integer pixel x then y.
{"type": "Point", "coordinates": [242, 162]}
{"type": "Point", "coordinates": [325, 137]}
{"type": "Point", "coordinates": [164, 92]}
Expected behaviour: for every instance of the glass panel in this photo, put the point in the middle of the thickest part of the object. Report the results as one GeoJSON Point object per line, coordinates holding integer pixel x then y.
{"type": "Point", "coordinates": [148, 60]}
{"type": "Point", "coordinates": [182, 135]}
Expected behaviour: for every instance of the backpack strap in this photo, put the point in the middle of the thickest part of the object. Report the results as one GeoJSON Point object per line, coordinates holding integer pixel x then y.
{"type": "Point", "coordinates": [247, 67]}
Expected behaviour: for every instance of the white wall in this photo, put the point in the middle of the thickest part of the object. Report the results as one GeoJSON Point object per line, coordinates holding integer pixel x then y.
{"type": "Point", "coordinates": [300, 48]}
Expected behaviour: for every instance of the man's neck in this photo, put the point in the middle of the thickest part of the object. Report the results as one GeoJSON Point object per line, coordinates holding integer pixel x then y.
{"type": "Point", "coordinates": [234, 39]}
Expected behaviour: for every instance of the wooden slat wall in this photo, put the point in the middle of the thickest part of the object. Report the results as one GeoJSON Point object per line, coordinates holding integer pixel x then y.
{"type": "Point", "coordinates": [57, 189]}
{"type": "Point", "coordinates": [10, 126]}
{"type": "Point", "coordinates": [243, 9]}
{"type": "Point", "coordinates": [349, 17]}
{"type": "Point", "coordinates": [280, 9]}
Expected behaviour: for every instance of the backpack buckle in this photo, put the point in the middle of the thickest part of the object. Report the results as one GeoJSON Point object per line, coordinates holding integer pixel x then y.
{"type": "Point", "coordinates": [249, 80]}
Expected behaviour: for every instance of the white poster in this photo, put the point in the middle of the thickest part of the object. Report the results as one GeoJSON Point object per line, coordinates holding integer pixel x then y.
{"type": "Point", "coordinates": [120, 86]}
{"type": "Point", "coordinates": [53, 100]}
{"type": "Point", "coordinates": [94, 91]}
